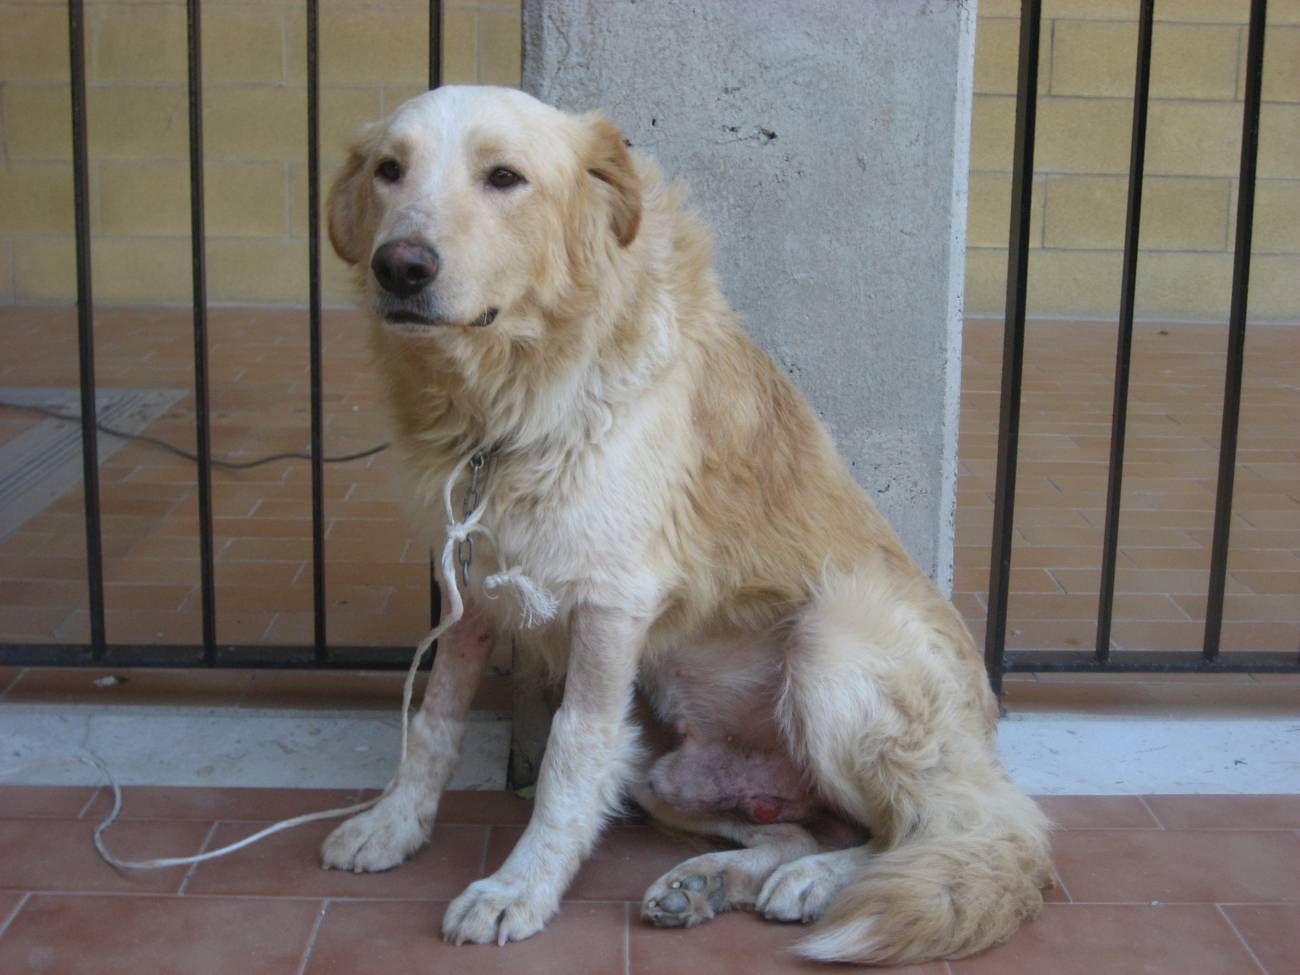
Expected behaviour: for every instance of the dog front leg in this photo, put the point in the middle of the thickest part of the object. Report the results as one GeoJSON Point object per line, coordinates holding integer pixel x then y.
{"type": "Point", "coordinates": [589, 754]}
{"type": "Point", "coordinates": [400, 823]}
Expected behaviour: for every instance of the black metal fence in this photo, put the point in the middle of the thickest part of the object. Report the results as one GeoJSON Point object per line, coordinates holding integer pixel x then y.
{"type": "Point", "coordinates": [209, 654]}
{"type": "Point", "coordinates": [321, 655]}
{"type": "Point", "coordinates": [997, 658]}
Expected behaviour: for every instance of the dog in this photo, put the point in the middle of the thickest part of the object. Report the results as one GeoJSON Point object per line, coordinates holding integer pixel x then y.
{"type": "Point", "coordinates": [746, 649]}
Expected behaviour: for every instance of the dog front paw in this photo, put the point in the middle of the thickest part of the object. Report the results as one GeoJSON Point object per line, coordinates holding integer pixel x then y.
{"type": "Point", "coordinates": [377, 839]}
{"type": "Point", "coordinates": [492, 910]}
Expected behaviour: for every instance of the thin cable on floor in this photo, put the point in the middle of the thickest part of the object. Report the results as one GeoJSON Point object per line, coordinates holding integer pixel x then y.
{"type": "Point", "coordinates": [235, 465]}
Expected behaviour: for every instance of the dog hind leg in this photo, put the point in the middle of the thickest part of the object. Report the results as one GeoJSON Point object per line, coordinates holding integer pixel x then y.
{"type": "Point", "coordinates": [887, 706]}
{"type": "Point", "coordinates": [704, 886]}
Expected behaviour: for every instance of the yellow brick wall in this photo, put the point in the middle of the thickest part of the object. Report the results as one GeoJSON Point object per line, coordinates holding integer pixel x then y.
{"type": "Point", "coordinates": [1085, 105]}
{"type": "Point", "coordinates": [373, 56]}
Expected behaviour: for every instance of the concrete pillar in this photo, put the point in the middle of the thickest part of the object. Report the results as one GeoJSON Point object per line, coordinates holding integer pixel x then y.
{"type": "Point", "coordinates": [827, 143]}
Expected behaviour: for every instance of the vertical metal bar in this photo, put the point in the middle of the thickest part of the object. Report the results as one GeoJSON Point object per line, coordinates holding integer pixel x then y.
{"type": "Point", "coordinates": [200, 288]}
{"type": "Point", "coordinates": [313, 259]}
{"type": "Point", "coordinates": [85, 328]}
{"type": "Point", "coordinates": [1236, 328]}
{"type": "Point", "coordinates": [1124, 341]}
{"type": "Point", "coordinates": [1013, 341]}
{"type": "Point", "coordinates": [435, 81]}
{"type": "Point", "coordinates": [435, 44]}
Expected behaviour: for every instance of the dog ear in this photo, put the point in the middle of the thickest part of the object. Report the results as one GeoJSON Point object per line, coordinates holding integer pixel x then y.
{"type": "Point", "coordinates": [609, 162]}
{"type": "Point", "coordinates": [346, 205]}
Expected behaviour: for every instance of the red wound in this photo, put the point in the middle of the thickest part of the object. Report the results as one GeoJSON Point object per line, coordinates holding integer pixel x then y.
{"type": "Point", "coordinates": [766, 811]}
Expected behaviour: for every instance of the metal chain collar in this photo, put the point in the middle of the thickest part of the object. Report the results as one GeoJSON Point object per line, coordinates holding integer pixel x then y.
{"type": "Point", "coordinates": [465, 547]}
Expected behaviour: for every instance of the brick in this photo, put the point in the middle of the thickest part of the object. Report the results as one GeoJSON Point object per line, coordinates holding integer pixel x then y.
{"type": "Point", "coordinates": [1192, 61]}
{"type": "Point", "coordinates": [1085, 135]}
{"type": "Point", "coordinates": [1185, 214]}
{"type": "Point", "coordinates": [246, 200]}
{"type": "Point", "coordinates": [36, 199]}
{"type": "Point", "coordinates": [374, 45]}
{"type": "Point", "coordinates": [343, 112]}
{"type": "Point", "coordinates": [1273, 293]}
{"type": "Point", "coordinates": [459, 47]}
{"type": "Point", "coordinates": [392, 96]}
{"type": "Point", "coordinates": [255, 124]}
{"type": "Point", "coordinates": [298, 197]}
{"type": "Point", "coordinates": [997, 57]}
{"type": "Point", "coordinates": [989, 216]}
{"type": "Point", "coordinates": [131, 43]}
{"type": "Point", "coordinates": [986, 281]}
{"type": "Point", "coordinates": [500, 48]}
{"type": "Point", "coordinates": [993, 125]}
{"type": "Point", "coordinates": [43, 268]}
{"type": "Point", "coordinates": [6, 271]}
{"type": "Point", "coordinates": [1210, 11]}
{"type": "Point", "coordinates": [1085, 284]}
{"type": "Point", "coordinates": [29, 133]}
{"type": "Point", "coordinates": [255, 270]}
{"type": "Point", "coordinates": [1085, 212]}
{"type": "Point", "coordinates": [1281, 63]}
{"type": "Point", "coordinates": [1279, 134]}
{"type": "Point", "coordinates": [147, 123]}
{"type": "Point", "coordinates": [33, 43]}
{"type": "Point", "coordinates": [1093, 58]}
{"type": "Point", "coordinates": [338, 281]}
{"type": "Point", "coordinates": [141, 269]}
{"type": "Point", "coordinates": [145, 200]}
{"type": "Point", "coordinates": [1193, 139]}
{"type": "Point", "coordinates": [1184, 285]}
{"type": "Point", "coordinates": [1101, 9]}
{"type": "Point", "coordinates": [243, 45]}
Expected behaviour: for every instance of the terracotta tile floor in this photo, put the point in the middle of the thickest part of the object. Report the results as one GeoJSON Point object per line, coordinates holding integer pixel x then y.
{"type": "Point", "coordinates": [1170, 471]}
{"type": "Point", "coordinates": [377, 575]}
{"type": "Point", "coordinates": [1162, 885]}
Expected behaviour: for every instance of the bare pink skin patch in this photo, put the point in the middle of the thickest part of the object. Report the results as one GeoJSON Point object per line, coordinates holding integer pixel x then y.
{"type": "Point", "coordinates": [702, 776]}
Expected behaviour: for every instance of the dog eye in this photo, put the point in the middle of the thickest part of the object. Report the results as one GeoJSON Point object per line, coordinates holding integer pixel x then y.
{"type": "Point", "coordinates": [502, 178]}
{"type": "Point", "coordinates": [390, 171]}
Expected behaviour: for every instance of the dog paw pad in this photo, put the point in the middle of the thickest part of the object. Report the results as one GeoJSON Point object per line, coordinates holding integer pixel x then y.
{"type": "Point", "coordinates": [684, 902]}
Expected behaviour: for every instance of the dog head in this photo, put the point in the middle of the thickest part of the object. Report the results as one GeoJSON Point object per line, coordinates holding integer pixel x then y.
{"type": "Point", "coordinates": [473, 208]}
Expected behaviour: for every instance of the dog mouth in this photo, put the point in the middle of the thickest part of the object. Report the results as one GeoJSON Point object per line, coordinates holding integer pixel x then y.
{"type": "Point", "coordinates": [409, 322]}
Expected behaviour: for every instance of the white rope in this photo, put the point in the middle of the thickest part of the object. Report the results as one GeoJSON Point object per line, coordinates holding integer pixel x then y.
{"type": "Point", "coordinates": [537, 605]}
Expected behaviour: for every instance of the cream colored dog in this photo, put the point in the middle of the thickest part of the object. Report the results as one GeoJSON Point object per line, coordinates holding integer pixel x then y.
{"type": "Point", "coordinates": [745, 646]}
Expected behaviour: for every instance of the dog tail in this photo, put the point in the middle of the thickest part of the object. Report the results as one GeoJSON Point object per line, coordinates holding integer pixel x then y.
{"type": "Point", "coordinates": [941, 894]}
{"type": "Point", "coordinates": [887, 705]}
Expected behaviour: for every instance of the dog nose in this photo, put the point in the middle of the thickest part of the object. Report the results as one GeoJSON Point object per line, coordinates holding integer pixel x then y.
{"type": "Point", "coordinates": [404, 267]}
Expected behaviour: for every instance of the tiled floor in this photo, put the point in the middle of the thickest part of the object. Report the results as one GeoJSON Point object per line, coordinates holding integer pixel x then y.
{"type": "Point", "coordinates": [1170, 471]}
{"type": "Point", "coordinates": [1162, 885]}
{"type": "Point", "coordinates": [377, 577]}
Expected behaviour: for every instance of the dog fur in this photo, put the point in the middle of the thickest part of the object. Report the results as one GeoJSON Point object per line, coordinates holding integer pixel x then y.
{"type": "Point", "coordinates": [745, 646]}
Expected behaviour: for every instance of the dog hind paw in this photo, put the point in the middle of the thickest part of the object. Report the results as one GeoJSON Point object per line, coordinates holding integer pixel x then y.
{"type": "Point", "coordinates": [683, 902]}
{"type": "Point", "coordinates": [798, 891]}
